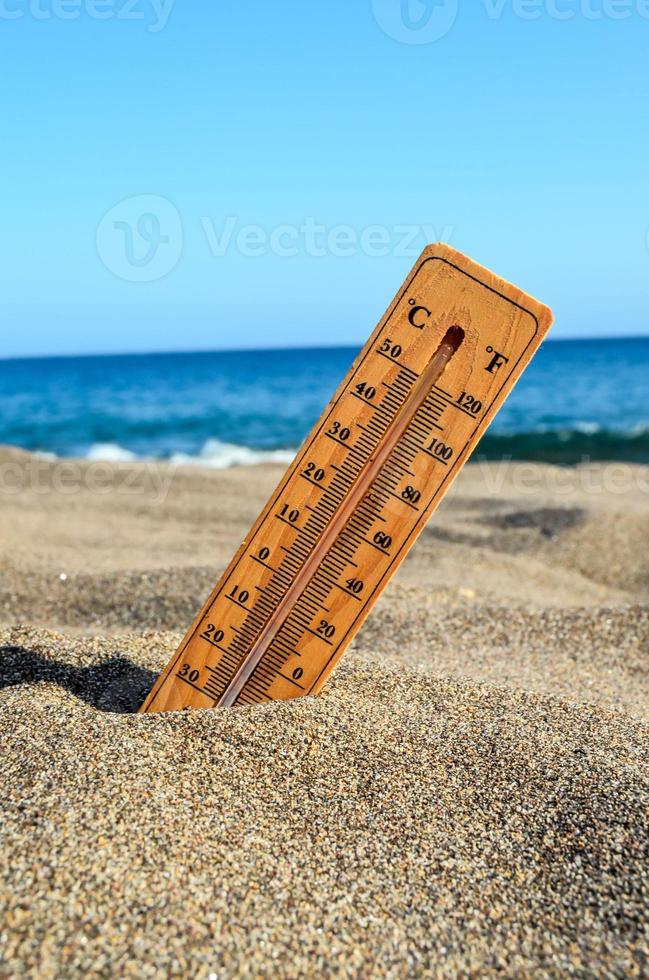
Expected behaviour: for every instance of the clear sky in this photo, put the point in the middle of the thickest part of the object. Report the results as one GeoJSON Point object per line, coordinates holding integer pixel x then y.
{"type": "Point", "coordinates": [188, 175]}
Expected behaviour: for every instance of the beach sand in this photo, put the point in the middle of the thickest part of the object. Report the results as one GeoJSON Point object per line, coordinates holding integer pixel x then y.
{"type": "Point", "coordinates": [467, 797]}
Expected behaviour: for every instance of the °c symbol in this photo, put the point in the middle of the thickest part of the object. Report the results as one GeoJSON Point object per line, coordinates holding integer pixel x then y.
{"type": "Point", "coordinates": [418, 316]}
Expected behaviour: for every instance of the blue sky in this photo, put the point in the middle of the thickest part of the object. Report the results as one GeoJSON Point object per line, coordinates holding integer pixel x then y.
{"type": "Point", "coordinates": [185, 175]}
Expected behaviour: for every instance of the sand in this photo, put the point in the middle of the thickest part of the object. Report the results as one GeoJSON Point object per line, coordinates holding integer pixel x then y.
{"type": "Point", "coordinates": [468, 796]}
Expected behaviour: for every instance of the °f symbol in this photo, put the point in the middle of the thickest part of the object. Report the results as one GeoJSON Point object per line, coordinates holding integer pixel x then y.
{"type": "Point", "coordinates": [496, 361]}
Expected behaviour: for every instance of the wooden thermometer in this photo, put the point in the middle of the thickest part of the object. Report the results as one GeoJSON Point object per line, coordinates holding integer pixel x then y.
{"type": "Point", "coordinates": [378, 462]}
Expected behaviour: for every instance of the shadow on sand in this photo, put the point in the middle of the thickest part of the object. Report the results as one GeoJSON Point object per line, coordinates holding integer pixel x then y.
{"type": "Point", "coordinates": [115, 685]}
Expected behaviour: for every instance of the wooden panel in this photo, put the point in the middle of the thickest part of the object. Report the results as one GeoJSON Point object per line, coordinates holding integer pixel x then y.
{"type": "Point", "coordinates": [379, 460]}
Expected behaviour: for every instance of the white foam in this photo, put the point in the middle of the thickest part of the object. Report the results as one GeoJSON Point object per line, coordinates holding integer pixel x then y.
{"type": "Point", "coordinates": [110, 452]}
{"type": "Point", "coordinates": [588, 428]}
{"type": "Point", "coordinates": [219, 455]}
{"type": "Point", "coordinates": [639, 429]}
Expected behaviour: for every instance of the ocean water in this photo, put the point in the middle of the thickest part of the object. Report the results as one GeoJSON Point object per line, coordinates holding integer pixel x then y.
{"type": "Point", "coordinates": [578, 400]}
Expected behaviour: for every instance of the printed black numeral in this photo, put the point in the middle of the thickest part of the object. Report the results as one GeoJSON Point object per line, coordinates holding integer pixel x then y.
{"type": "Point", "coordinates": [314, 472]}
{"type": "Point", "coordinates": [440, 449]}
{"type": "Point", "coordinates": [393, 350]}
{"type": "Point", "coordinates": [470, 403]}
{"type": "Point", "coordinates": [366, 391]}
{"type": "Point", "coordinates": [241, 595]}
{"type": "Point", "coordinates": [211, 633]}
{"type": "Point", "coordinates": [341, 431]}
{"type": "Point", "coordinates": [382, 540]}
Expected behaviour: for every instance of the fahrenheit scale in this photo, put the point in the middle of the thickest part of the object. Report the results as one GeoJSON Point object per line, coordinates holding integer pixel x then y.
{"type": "Point", "coordinates": [376, 465]}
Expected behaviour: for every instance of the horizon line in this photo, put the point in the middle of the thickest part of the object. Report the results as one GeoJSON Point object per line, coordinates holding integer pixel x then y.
{"type": "Point", "coordinates": [267, 350]}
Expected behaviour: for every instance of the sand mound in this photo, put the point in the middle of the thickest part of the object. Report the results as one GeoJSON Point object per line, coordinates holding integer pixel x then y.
{"type": "Point", "coordinates": [468, 797]}
{"type": "Point", "coordinates": [396, 824]}
{"type": "Point", "coordinates": [589, 654]}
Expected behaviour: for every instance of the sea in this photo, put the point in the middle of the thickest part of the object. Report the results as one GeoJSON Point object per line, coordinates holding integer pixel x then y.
{"type": "Point", "coordinates": [580, 400]}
